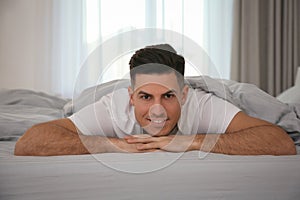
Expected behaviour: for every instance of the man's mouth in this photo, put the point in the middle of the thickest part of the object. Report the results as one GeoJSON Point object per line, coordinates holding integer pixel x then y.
{"type": "Point", "coordinates": [158, 122]}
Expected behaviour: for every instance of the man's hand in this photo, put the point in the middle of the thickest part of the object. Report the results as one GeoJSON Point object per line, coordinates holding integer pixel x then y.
{"type": "Point", "coordinates": [172, 143]}
{"type": "Point", "coordinates": [122, 146]}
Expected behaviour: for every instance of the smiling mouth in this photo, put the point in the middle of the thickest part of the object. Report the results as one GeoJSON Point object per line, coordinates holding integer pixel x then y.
{"type": "Point", "coordinates": [159, 122]}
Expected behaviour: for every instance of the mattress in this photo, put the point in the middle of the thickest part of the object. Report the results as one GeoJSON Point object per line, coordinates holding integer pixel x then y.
{"type": "Point", "coordinates": [156, 175]}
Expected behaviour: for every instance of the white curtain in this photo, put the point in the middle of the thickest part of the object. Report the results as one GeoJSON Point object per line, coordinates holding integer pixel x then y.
{"type": "Point", "coordinates": [68, 44]}
{"type": "Point", "coordinates": [78, 26]}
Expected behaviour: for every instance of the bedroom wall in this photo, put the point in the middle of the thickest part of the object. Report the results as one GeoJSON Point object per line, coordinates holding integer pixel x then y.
{"type": "Point", "coordinates": [20, 43]}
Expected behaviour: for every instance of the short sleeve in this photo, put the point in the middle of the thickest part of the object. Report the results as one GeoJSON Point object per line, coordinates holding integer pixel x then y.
{"type": "Point", "coordinates": [215, 114]}
{"type": "Point", "coordinates": [205, 113]}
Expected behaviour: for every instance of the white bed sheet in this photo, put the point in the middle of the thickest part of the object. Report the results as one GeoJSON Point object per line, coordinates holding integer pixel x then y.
{"type": "Point", "coordinates": [84, 177]}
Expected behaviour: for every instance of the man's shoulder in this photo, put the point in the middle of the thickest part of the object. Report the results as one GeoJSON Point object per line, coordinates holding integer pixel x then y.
{"type": "Point", "coordinates": [198, 94]}
{"type": "Point", "coordinates": [117, 100]}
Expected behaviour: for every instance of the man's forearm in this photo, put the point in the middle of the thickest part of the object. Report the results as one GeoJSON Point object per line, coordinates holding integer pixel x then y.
{"type": "Point", "coordinates": [48, 140]}
{"type": "Point", "coordinates": [259, 140]}
{"type": "Point", "coordinates": [61, 138]}
{"type": "Point", "coordinates": [99, 144]}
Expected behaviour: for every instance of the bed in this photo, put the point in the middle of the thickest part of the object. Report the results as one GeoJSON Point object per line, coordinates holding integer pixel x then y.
{"type": "Point", "coordinates": [84, 177]}
{"type": "Point", "coordinates": [158, 175]}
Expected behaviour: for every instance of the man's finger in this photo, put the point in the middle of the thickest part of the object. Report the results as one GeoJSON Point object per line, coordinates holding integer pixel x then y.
{"type": "Point", "coordinates": [140, 140]}
{"type": "Point", "coordinates": [137, 136]}
{"type": "Point", "coordinates": [152, 145]}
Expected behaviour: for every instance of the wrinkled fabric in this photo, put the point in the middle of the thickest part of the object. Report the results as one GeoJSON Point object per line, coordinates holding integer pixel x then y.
{"type": "Point", "coordinates": [20, 109]}
{"type": "Point", "coordinates": [252, 100]}
{"type": "Point", "coordinates": [255, 102]}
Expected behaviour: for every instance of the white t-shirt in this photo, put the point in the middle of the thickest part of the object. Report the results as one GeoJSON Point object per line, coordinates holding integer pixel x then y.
{"type": "Point", "coordinates": [113, 116]}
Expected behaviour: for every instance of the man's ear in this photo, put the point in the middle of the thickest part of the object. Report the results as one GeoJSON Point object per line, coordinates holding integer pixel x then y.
{"type": "Point", "coordinates": [130, 92]}
{"type": "Point", "coordinates": [185, 91]}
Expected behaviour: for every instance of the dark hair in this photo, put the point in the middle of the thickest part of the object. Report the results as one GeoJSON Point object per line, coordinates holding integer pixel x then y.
{"type": "Point", "coordinates": [157, 59]}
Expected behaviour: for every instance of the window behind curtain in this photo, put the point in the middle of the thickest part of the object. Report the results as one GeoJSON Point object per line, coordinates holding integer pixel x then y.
{"type": "Point", "coordinates": [206, 22]}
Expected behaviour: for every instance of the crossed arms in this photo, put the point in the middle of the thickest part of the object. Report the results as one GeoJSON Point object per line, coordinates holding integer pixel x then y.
{"type": "Point", "coordinates": [245, 135]}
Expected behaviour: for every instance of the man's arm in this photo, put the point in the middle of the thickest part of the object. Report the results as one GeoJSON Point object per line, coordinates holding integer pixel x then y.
{"type": "Point", "coordinates": [60, 137]}
{"type": "Point", "coordinates": [245, 135]}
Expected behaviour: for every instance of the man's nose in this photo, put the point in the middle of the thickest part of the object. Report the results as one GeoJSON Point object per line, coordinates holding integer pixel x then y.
{"type": "Point", "coordinates": [157, 110]}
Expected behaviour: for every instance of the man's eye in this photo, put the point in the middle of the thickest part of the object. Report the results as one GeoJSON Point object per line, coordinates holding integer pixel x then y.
{"type": "Point", "coordinates": [168, 96]}
{"type": "Point", "coordinates": [145, 97]}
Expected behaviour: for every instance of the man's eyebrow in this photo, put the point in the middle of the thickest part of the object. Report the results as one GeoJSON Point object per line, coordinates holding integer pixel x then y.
{"type": "Point", "coordinates": [170, 91]}
{"type": "Point", "coordinates": [142, 92]}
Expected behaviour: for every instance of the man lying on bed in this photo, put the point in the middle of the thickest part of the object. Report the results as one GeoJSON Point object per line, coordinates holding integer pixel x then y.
{"type": "Point", "coordinates": [157, 113]}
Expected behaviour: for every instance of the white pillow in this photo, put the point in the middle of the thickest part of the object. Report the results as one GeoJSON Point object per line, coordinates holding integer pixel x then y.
{"type": "Point", "coordinates": [291, 95]}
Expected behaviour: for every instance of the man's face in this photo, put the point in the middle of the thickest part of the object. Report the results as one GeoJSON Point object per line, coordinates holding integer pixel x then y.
{"type": "Point", "coordinates": [157, 101]}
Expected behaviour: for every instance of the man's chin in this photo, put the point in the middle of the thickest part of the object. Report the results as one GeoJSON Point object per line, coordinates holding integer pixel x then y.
{"type": "Point", "coordinates": [156, 133]}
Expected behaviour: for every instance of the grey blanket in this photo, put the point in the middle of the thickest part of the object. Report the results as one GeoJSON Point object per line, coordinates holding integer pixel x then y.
{"type": "Point", "coordinates": [20, 109]}
{"type": "Point", "coordinates": [252, 101]}
{"type": "Point", "coordinates": [247, 97]}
